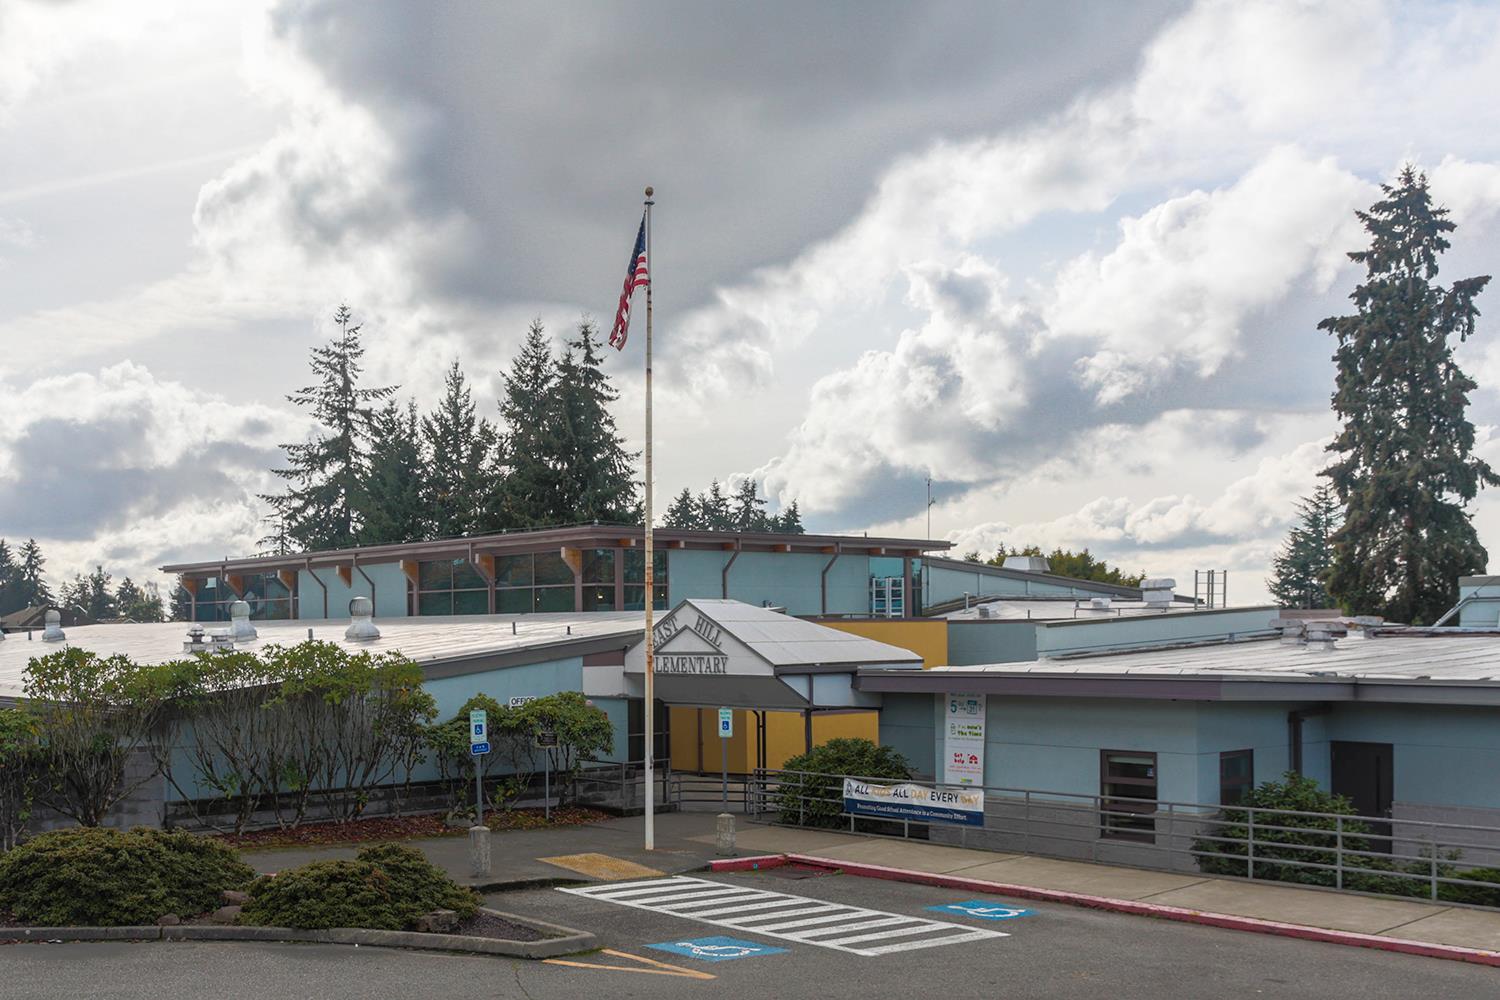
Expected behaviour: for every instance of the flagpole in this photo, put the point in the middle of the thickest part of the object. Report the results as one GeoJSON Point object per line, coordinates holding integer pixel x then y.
{"type": "Point", "coordinates": [650, 675]}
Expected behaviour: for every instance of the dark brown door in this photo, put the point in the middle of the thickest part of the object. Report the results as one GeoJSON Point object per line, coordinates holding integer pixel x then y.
{"type": "Point", "coordinates": [1363, 773]}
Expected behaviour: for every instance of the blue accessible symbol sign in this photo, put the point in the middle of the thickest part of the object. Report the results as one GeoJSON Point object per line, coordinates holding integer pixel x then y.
{"type": "Point", "coordinates": [717, 949]}
{"type": "Point", "coordinates": [981, 910]}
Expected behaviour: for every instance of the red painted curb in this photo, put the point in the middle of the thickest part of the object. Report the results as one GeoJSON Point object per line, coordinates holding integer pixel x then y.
{"type": "Point", "coordinates": [1253, 925]}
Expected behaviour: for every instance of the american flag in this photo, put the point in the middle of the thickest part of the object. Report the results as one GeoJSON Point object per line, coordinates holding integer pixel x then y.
{"type": "Point", "coordinates": [635, 276]}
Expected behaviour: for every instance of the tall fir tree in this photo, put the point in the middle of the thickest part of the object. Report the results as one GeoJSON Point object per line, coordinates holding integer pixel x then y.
{"type": "Point", "coordinates": [1299, 576]}
{"type": "Point", "coordinates": [1405, 466]}
{"type": "Point", "coordinates": [595, 468]}
{"type": "Point", "coordinates": [323, 475]}
{"type": "Point", "coordinates": [682, 512]}
{"type": "Point", "coordinates": [139, 603]}
{"type": "Point", "coordinates": [789, 520]}
{"type": "Point", "coordinates": [394, 490]}
{"type": "Point", "coordinates": [8, 571]}
{"type": "Point", "coordinates": [460, 447]}
{"type": "Point", "coordinates": [530, 491]}
{"type": "Point", "coordinates": [714, 513]}
{"type": "Point", "coordinates": [747, 510]}
{"type": "Point", "coordinates": [30, 583]}
{"type": "Point", "coordinates": [182, 604]}
{"type": "Point", "coordinates": [92, 595]}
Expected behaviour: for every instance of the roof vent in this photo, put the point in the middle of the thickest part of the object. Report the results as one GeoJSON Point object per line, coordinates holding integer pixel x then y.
{"type": "Point", "coordinates": [1291, 630]}
{"type": "Point", "coordinates": [1027, 564]}
{"type": "Point", "coordinates": [983, 610]}
{"type": "Point", "coordinates": [240, 629]}
{"type": "Point", "coordinates": [1099, 603]}
{"type": "Point", "coordinates": [1320, 637]}
{"type": "Point", "coordinates": [53, 631]}
{"type": "Point", "coordinates": [1156, 591]}
{"type": "Point", "coordinates": [361, 624]}
{"type": "Point", "coordinates": [201, 641]}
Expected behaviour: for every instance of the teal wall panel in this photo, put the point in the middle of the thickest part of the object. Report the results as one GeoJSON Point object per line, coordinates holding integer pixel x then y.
{"type": "Point", "coordinates": [976, 642]}
{"type": "Point", "coordinates": [390, 591]}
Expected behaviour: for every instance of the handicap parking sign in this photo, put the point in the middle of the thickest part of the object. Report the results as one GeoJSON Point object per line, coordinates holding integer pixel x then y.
{"type": "Point", "coordinates": [981, 910]}
{"type": "Point", "coordinates": [717, 949]}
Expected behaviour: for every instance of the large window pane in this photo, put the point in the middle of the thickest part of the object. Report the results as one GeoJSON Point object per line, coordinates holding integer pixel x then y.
{"type": "Point", "coordinates": [435, 574]}
{"type": "Point", "coordinates": [513, 571]}
{"type": "Point", "coordinates": [599, 566]}
{"type": "Point", "coordinates": [598, 598]}
{"type": "Point", "coordinates": [440, 603]}
{"type": "Point", "coordinates": [471, 602]}
{"type": "Point", "coordinates": [466, 577]}
{"type": "Point", "coordinates": [554, 599]}
{"type": "Point", "coordinates": [635, 566]}
{"type": "Point", "coordinates": [550, 569]}
{"type": "Point", "coordinates": [514, 602]}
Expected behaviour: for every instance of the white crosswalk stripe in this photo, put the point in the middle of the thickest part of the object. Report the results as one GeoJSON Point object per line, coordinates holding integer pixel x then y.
{"type": "Point", "coordinates": [817, 922]}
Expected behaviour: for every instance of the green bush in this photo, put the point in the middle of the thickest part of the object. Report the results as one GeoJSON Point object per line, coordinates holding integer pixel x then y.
{"type": "Point", "coordinates": [103, 877]}
{"type": "Point", "coordinates": [385, 887]}
{"type": "Point", "coordinates": [1477, 895]}
{"type": "Point", "coordinates": [817, 798]}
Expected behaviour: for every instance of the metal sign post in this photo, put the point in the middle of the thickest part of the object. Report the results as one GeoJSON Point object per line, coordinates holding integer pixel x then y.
{"type": "Point", "coordinates": [479, 745]}
{"type": "Point", "coordinates": [546, 740]}
{"type": "Point", "coordinates": [726, 733]}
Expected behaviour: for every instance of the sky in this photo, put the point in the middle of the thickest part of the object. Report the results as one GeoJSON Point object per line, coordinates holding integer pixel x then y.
{"type": "Point", "coordinates": [1066, 260]}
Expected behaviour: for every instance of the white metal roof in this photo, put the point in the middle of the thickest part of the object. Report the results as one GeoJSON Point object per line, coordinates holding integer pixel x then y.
{"type": "Point", "coordinates": [784, 641]}
{"type": "Point", "coordinates": [426, 640]}
{"type": "Point", "coordinates": [1059, 609]}
{"type": "Point", "coordinates": [1390, 657]}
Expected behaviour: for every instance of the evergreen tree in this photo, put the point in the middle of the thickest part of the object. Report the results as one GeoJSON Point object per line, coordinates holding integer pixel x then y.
{"type": "Point", "coordinates": [789, 521]}
{"type": "Point", "coordinates": [1300, 570]}
{"type": "Point", "coordinates": [683, 512]}
{"type": "Point", "coordinates": [1406, 467]}
{"type": "Point", "coordinates": [93, 595]}
{"type": "Point", "coordinates": [139, 604]}
{"type": "Point", "coordinates": [394, 490]}
{"type": "Point", "coordinates": [319, 505]}
{"type": "Point", "coordinates": [748, 510]}
{"type": "Point", "coordinates": [31, 588]}
{"type": "Point", "coordinates": [182, 604]}
{"type": "Point", "coordinates": [530, 493]}
{"type": "Point", "coordinates": [8, 572]}
{"type": "Point", "coordinates": [595, 468]}
{"type": "Point", "coordinates": [713, 509]}
{"type": "Point", "coordinates": [459, 446]}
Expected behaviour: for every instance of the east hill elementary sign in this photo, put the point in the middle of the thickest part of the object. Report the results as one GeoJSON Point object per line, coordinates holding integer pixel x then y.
{"type": "Point", "coordinates": [718, 653]}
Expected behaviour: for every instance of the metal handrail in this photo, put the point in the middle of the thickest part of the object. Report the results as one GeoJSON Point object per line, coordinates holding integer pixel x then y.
{"type": "Point", "coordinates": [1186, 827]}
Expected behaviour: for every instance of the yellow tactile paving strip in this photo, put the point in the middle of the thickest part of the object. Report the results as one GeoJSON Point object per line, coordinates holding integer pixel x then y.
{"type": "Point", "coordinates": [601, 866]}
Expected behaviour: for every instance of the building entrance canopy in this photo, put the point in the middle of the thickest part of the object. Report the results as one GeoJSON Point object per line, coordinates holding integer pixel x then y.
{"type": "Point", "coordinates": [726, 653]}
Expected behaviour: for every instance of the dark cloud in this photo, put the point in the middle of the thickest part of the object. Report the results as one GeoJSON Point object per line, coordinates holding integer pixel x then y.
{"type": "Point", "coordinates": [763, 126]}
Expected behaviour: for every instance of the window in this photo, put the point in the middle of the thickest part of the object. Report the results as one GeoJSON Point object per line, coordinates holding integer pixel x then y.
{"type": "Point", "coordinates": [635, 580]}
{"type": "Point", "coordinates": [1236, 776]}
{"type": "Point", "coordinates": [451, 587]}
{"type": "Point", "coordinates": [268, 597]}
{"type": "Point", "coordinates": [1127, 791]}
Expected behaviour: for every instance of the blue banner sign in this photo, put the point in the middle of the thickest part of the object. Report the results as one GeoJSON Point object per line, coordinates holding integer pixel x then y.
{"type": "Point", "coordinates": [917, 803]}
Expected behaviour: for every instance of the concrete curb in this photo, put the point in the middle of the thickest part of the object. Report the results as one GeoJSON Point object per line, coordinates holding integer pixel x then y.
{"type": "Point", "coordinates": [565, 941]}
{"type": "Point", "coordinates": [1228, 921]}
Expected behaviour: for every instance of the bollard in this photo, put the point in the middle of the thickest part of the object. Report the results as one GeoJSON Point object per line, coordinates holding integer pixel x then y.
{"type": "Point", "coordinates": [479, 850]}
{"type": "Point", "coordinates": [724, 845]}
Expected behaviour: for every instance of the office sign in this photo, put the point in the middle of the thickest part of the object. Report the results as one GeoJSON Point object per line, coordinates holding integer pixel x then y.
{"type": "Point", "coordinates": [963, 740]}
{"type": "Point", "coordinates": [917, 803]}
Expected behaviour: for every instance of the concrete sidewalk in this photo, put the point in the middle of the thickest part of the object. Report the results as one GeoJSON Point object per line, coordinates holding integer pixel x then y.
{"type": "Point", "coordinates": [1409, 920]}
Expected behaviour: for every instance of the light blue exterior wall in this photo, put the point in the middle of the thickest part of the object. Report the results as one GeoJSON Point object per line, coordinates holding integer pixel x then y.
{"type": "Point", "coordinates": [975, 642]}
{"type": "Point", "coordinates": [618, 711]}
{"type": "Point", "coordinates": [792, 580]}
{"type": "Point", "coordinates": [1482, 594]}
{"type": "Point", "coordinates": [534, 679]}
{"type": "Point", "coordinates": [947, 583]}
{"type": "Point", "coordinates": [1055, 638]}
{"type": "Point", "coordinates": [390, 591]}
{"type": "Point", "coordinates": [908, 723]}
{"type": "Point", "coordinates": [1448, 755]}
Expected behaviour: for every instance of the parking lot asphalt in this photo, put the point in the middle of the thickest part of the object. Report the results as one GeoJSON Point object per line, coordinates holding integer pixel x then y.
{"type": "Point", "coordinates": [833, 945]}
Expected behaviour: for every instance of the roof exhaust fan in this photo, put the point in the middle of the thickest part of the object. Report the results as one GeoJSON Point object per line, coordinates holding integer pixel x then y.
{"type": "Point", "coordinates": [361, 624]}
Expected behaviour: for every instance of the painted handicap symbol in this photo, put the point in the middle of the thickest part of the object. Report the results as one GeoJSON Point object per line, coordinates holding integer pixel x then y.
{"type": "Point", "coordinates": [717, 949]}
{"type": "Point", "coordinates": [981, 910]}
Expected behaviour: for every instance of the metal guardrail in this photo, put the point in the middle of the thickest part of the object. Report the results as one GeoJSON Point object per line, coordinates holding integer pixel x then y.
{"type": "Point", "coordinates": [1380, 855]}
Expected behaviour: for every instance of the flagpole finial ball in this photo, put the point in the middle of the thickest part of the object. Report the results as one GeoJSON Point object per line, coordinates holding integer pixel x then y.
{"type": "Point", "coordinates": [650, 191]}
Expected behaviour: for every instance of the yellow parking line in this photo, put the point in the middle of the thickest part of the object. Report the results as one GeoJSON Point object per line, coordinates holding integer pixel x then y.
{"type": "Point", "coordinates": [661, 968]}
{"type": "Point", "coordinates": [601, 866]}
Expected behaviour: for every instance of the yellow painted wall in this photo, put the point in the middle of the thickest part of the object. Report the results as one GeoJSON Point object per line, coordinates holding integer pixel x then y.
{"type": "Point", "coordinates": [784, 737]}
{"type": "Point", "coordinates": [928, 638]}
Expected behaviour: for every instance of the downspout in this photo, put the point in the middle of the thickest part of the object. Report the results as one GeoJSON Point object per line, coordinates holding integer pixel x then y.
{"type": "Point", "coordinates": [838, 550]}
{"type": "Point", "coordinates": [1294, 721]}
{"type": "Point", "coordinates": [371, 582]}
{"type": "Point", "coordinates": [307, 565]}
{"type": "Point", "coordinates": [724, 577]}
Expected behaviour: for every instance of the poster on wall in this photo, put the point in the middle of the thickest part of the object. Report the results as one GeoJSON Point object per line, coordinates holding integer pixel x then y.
{"type": "Point", "coordinates": [963, 741]}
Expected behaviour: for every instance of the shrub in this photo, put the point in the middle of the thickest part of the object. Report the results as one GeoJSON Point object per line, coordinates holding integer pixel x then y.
{"type": "Point", "coordinates": [20, 773]}
{"type": "Point", "coordinates": [817, 798]}
{"type": "Point", "coordinates": [102, 877]}
{"type": "Point", "coordinates": [385, 887]}
{"type": "Point", "coordinates": [1477, 895]}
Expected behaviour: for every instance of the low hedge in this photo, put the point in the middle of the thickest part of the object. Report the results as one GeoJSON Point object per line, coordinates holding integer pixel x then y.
{"type": "Point", "coordinates": [1477, 895]}
{"type": "Point", "coordinates": [385, 887]}
{"type": "Point", "coordinates": [107, 878]}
